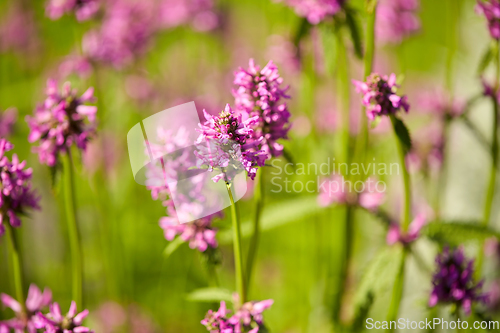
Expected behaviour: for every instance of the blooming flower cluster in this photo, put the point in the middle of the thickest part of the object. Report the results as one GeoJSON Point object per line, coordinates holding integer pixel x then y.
{"type": "Point", "coordinates": [199, 14]}
{"type": "Point", "coordinates": [395, 234]}
{"type": "Point", "coordinates": [248, 318]}
{"type": "Point", "coordinates": [380, 96]}
{"type": "Point", "coordinates": [397, 19]}
{"type": "Point", "coordinates": [491, 10]}
{"type": "Point", "coordinates": [83, 9]}
{"type": "Point", "coordinates": [316, 10]}
{"type": "Point", "coordinates": [454, 281]}
{"type": "Point", "coordinates": [339, 191]}
{"type": "Point", "coordinates": [55, 322]}
{"type": "Point", "coordinates": [61, 121]}
{"type": "Point", "coordinates": [259, 94]}
{"type": "Point", "coordinates": [16, 194]}
{"type": "Point", "coordinates": [29, 321]}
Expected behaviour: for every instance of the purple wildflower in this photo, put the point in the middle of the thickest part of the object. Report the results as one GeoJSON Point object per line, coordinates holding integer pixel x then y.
{"type": "Point", "coordinates": [55, 322]}
{"type": "Point", "coordinates": [395, 234]}
{"type": "Point", "coordinates": [60, 122]}
{"type": "Point", "coordinates": [260, 94]}
{"type": "Point", "coordinates": [199, 14]}
{"type": "Point", "coordinates": [454, 281]}
{"type": "Point", "coordinates": [18, 30]}
{"type": "Point", "coordinates": [491, 10]}
{"type": "Point", "coordinates": [16, 196]}
{"type": "Point", "coordinates": [7, 120]}
{"type": "Point", "coordinates": [83, 9]}
{"type": "Point", "coordinates": [397, 19]}
{"type": "Point", "coordinates": [124, 34]}
{"type": "Point", "coordinates": [35, 302]}
{"type": "Point", "coordinates": [316, 10]}
{"type": "Point", "coordinates": [248, 318]}
{"type": "Point", "coordinates": [379, 95]}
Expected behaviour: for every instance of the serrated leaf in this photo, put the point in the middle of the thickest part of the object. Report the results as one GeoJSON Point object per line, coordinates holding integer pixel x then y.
{"type": "Point", "coordinates": [172, 246]}
{"type": "Point", "coordinates": [486, 59]}
{"type": "Point", "coordinates": [210, 295]}
{"type": "Point", "coordinates": [353, 25]}
{"type": "Point", "coordinates": [455, 233]}
{"type": "Point", "coordinates": [275, 216]}
{"type": "Point", "coordinates": [402, 133]}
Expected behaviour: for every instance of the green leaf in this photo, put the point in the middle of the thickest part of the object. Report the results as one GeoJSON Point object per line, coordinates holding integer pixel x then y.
{"type": "Point", "coordinates": [486, 59]}
{"type": "Point", "coordinates": [210, 295]}
{"type": "Point", "coordinates": [355, 31]}
{"type": "Point", "coordinates": [302, 30]}
{"type": "Point", "coordinates": [275, 216]}
{"type": "Point", "coordinates": [288, 156]}
{"type": "Point", "coordinates": [402, 133]}
{"type": "Point", "coordinates": [378, 277]}
{"type": "Point", "coordinates": [172, 246]}
{"type": "Point", "coordinates": [455, 233]}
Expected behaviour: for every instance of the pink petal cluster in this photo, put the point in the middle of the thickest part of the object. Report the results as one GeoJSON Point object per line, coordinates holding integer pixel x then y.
{"type": "Point", "coordinates": [397, 20]}
{"type": "Point", "coordinates": [200, 14]}
{"type": "Point", "coordinates": [316, 10]}
{"type": "Point", "coordinates": [55, 322]}
{"type": "Point", "coordinates": [29, 321]}
{"type": "Point", "coordinates": [16, 194]}
{"type": "Point", "coordinates": [125, 32]}
{"type": "Point", "coordinates": [83, 9]}
{"type": "Point", "coordinates": [491, 10]}
{"type": "Point", "coordinates": [225, 139]}
{"type": "Point", "coordinates": [379, 95]}
{"type": "Point", "coordinates": [259, 94]}
{"type": "Point", "coordinates": [248, 318]}
{"type": "Point", "coordinates": [395, 234]}
{"type": "Point", "coordinates": [336, 190]}
{"type": "Point", "coordinates": [61, 121]}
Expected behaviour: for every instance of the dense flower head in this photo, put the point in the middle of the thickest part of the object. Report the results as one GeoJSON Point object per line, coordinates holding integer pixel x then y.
{"type": "Point", "coordinates": [454, 281]}
{"type": "Point", "coordinates": [395, 234]}
{"type": "Point", "coordinates": [61, 121]}
{"type": "Point", "coordinates": [223, 145]}
{"type": "Point", "coordinates": [29, 320]}
{"type": "Point", "coordinates": [379, 95]}
{"type": "Point", "coordinates": [16, 195]}
{"type": "Point", "coordinates": [316, 10]}
{"type": "Point", "coordinates": [83, 9]}
{"type": "Point", "coordinates": [491, 10]}
{"type": "Point", "coordinates": [200, 14]}
{"type": "Point", "coordinates": [55, 322]}
{"type": "Point", "coordinates": [125, 33]}
{"type": "Point", "coordinates": [260, 94]}
{"type": "Point", "coordinates": [248, 318]}
{"type": "Point", "coordinates": [397, 19]}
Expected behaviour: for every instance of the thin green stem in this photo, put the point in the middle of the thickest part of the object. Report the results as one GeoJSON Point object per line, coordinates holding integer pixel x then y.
{"type": "Point", "coordinates": [238, 258]}
{"type": "Point", "coordinates": [17, 272]}
{"type": "Point", "coordinates": [254, 241]}
{"type": "Point", "coordinates": [74, 236]}
{"type": "Point", "coordinates": [397, 291]}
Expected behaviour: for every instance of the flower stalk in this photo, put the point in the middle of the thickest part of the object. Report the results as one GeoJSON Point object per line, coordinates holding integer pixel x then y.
{"type": "Point", "coordinates": [254, 241]}
{"type": "Point", "coordinates": [17, 273]}
{"type": "Point", "coordinates": [74, 236]}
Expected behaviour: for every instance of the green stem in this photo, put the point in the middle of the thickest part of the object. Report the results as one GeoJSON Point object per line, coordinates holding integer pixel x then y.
{"type": "Point", "coordinates": [397, 291]}
{"type": "Point", "coordinates": [74, 237]}
{"type": "Point", "coordinates": [238, 258]}
{"type": "Point", "coordinates": [254, 241]}
{"type": "Point", "coordinates": [17, 273]}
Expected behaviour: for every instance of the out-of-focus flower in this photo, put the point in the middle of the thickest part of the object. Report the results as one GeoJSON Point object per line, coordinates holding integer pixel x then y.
{"type": "Point", "coordinates": [75, 64]}
{"type": "Point", "coordinates": [248, 318]}
{"type": "Point", "coordinates": [16, 194]}
{"type": "Point", "coordinates": [337, 190]}
{"type": "Point", "coordinates": [397, 20]}
{"type": "Point", "coordinates": [284, 52]}
{"type": "Point", "coordinates": [61, 121]}
{"type": "Point", "coordinates": [316, 10]}
{"type": "Point", "coordinates": [454, 281]}
{"type": "Point", "coordinates": [55, 322]}
{"type": "Point", "coordinates": [139, 88]}
{"type": "Point", "coordinates": [438, 102]}
{"type": "Point", "coordinates": [259, 94]}
{"type": "Point", "coordinates": [199, 14]}
{"type": "Point", "coordinates": [125, 33]}
{"type": "Point", "coordinates": [395, 234]}
{"type": "Point", "coordinates": [379, 95]}
{"type": "Point", "coordinates": [83, 9]}
{"type": "Point", "coordinates": [104, 152]}
{"type": "Point", "coordinates": [35, 302]}
{"type": "Point", "coordinates": [111, 316]}
{"type": "Point", "coordinates": [7, 121]}
{"type": "Point", "coordinates": [17, 30]}
{"type": "Point", "coordinates": [491, 10]}
{"type": "Point", "coordinates": [427, 149]}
